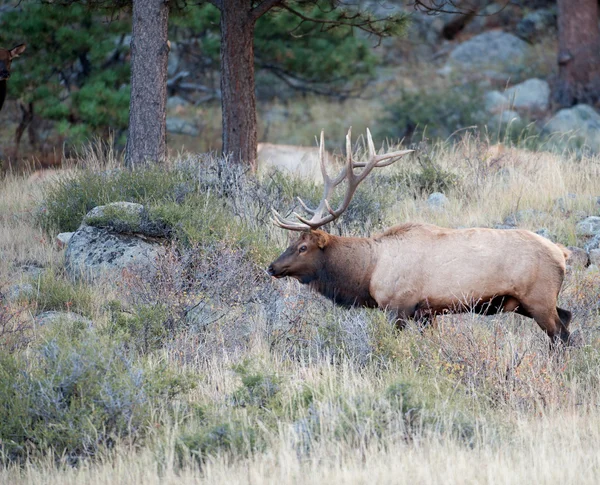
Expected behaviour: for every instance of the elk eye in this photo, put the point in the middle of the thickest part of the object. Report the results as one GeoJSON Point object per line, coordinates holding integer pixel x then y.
{"type": "Point", "coordinates": [302, 248]}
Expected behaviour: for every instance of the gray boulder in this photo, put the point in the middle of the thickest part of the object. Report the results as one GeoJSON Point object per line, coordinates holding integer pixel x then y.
{"type": "Point", "coordinates": [96, 254]}
{"type": "Point", "coordinates": [125, 218]}
{"type": "Point", "coordinates": [175, 102]}
{"type": "Point", "coordinates": [578, 258]}
{"type": "Point", "coordinates": [16, 292]}
{"type": "Point", "coordinates": [53, 316]}
{"type": "Point", "coordinates": [579, 125]}
{"type": "Point", "coordinates": [120, 217]}
{"type": "Point", "coordinates": [504, 118]}
{"type": "Point", "coordinates": [536, 24]}
{"type": "Point", "coordinates": [63, 238]}
{"type": "Point", "coordinates": [595, 257]}
{"type": "Point", "coordinates": [590, 226]}
{"type": "Point", "coordinates": [181, 126]}
{"type": "Point", "coordinates": [437, 201]}
{"type": "Point", "coordinates": [492, 52]}
{"type": "Point", "coordinates": [593, 243]}
{"type": "Point", "coordinates": [544, 232]}
{"type": "Point", "coordinates": [530, 95]}
{"type": "Point", "coordinates": [495, 102]}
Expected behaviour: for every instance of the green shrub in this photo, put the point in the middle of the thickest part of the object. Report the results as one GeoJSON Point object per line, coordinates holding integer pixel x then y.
{"type": "Point", "coordinates": [435, 113]}
{"type": "Point", "coordinates": [233, 437]}
{"type": "Point", "coordinates": [258, 389]}
{"type": "Point", "coordinates": [69, 199]}
{"type": "Point", "coordinates": [142, 329]}
{"type": "Point", "coordinates": [428, 177]}
{"type": "Point", "coordinates": [77, 392]}
{"type": "Point", "coordinates": [53, 291]}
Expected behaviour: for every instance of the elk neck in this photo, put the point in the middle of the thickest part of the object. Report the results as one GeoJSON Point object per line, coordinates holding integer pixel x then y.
{"type": "Point", "coordinates": [345, 274]}
{"type": "Point", "coordinates": [2, 92]}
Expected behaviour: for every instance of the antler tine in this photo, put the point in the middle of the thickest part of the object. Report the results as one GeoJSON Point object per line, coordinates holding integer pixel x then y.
{"type": "Point", "coordinates": [326, 178]}
{"type": "Point", "coordinates": [391, 157]}
{"type": "Point", "coordinates": [305, 207]}
{"type": "Point", "coordinates": [324, 213]}
{"type": "Point", "coordinates": [284, 223]}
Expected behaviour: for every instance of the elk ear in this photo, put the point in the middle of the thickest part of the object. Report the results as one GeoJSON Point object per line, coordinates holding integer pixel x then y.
{"type": "Point", "coordinates": [17, 50]}
{"type": "Point", "coordinates": [321, 238]}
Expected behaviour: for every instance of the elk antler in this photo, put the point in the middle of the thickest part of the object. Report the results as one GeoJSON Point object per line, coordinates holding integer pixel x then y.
{"type": "Point", "coordinates": [319, 218]}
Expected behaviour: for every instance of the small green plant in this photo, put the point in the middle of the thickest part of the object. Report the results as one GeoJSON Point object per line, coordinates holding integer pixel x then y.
{"type": "Point", "coordinates": [428, 177]}
{"type": "Point", "coordinates": [77, 392]}
{"type": "Point", "coordinates": [53, 291]}
{"type": "Point", "coordinates": [258, 389]}
{"type": "Point", "coordinates": [438, 112]}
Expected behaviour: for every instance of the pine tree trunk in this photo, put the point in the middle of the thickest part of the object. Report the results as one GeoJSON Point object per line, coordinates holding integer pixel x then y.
{"type": "Point", "coordinates": [147, 139]}
{"type": "Point", "coordinates": [578, 53]}
{"type": "Point", "coordinates": [237, 81]}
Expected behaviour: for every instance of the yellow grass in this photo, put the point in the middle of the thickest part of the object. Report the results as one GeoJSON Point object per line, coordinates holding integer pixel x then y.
{"type": "Point", "coordinates": [533, 421]}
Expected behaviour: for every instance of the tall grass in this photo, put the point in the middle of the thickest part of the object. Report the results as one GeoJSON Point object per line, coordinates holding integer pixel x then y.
{"type": "Point", "coordinates": [288, 387]}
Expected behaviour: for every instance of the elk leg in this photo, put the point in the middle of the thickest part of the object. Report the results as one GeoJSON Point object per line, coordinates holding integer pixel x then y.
{"type": "Point", "coordinates": [551, 323]}
{"type": "Point", "coordinates": [565, 317]}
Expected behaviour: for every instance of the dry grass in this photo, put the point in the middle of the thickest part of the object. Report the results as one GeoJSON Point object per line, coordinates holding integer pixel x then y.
{"type": "Point", "coordinates": [488, 402]}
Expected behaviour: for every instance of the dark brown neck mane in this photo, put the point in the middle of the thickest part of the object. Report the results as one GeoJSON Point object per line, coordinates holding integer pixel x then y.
{"type": "Point", "coordinates": [346, 272]}
{"type": "Point", "coordinates": [2, 92]}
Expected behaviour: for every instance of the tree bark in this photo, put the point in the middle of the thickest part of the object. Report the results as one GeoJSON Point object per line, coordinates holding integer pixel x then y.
{"type": "Point", "coordinates": [578, 53]}
{"type": "Point", "coordinates": [238, 98]}
{"type": "Point", "coordinates": [147, 140]}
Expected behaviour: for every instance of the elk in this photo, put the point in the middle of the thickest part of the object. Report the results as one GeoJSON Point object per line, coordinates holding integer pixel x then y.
{"type": "Point", "coordinates": [417, 271]}
{"type": "Point", "coordinates": [6, 56]}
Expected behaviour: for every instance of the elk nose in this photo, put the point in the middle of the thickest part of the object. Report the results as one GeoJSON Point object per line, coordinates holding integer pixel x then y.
{"type": "Point", "coordinates": [270, 269]}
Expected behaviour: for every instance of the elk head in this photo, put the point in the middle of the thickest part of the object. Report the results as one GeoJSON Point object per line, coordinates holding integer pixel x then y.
{"type": "Point", "coordinates": [302, 259]}
{"type": "Point", "coordinates": [6, 56]}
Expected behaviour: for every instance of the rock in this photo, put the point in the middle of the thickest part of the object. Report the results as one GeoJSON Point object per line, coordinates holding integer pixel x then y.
{"type": "Point", "coordinates": [176, 102]}
{"type": "Point", "coordinates": [120, 217]}
{"type": "Point", "coordinates": [504, 226]}
{"type": "Point", "coordinates": [494, 51]}
{"type": "Point", "coordinates": [96, 254]}
{"type": "Point", "coordinates": [53, 316]}
{"type": "Point", "coordinates": [523, 215]}
{"type": "Point", "coordinates": [536, 24]}
{"type": "Point", "coordinates": [32, 269]}
{"type": "Point", "coordinates": [545, 233]}
{"type": "Point", "coordinates": [530, 95]}
{"type": "Point", "coordinates": [181, 126]}
{"type": "Point", "coordinates": [127, 218]}
{"type": "Point", "coordinates": [437, 200]}
{"type": "Point", "coordinates": [18, 291]}
{"type": "Point", "coordinates": [579, 124]}
{"type": "Point", "coordinates": [495, 102]}
{"type": "Point", "coordinates": [595, 257]}
{"type": "Point", "coordinates": [63, 239]}
{"type": "Point", "coordinates": [578, 257]}
{"type": "Point", "coordinates": [504, 118]}
{"type": "Point", "coordinates": [590, 226]}
{"type": "Point", "coordinates": [593, 243]}
{"type": "Point", "coordinates": [562, 204]}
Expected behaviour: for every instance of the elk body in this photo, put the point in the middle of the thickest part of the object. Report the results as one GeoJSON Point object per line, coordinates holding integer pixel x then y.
{"type": "Point", "coordinates": [6, 56]}
{"type": "Point", "coordinates": [418, 271]}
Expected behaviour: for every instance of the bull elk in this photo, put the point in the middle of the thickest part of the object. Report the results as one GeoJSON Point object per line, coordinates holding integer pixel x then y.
{"type": "Point", "coordinates": [418, 271]}
{"type": "Point", "coordinates": [6, 56]}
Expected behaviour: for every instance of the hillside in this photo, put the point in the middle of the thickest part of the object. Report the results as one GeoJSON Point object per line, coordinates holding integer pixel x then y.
{"type": "Point", "coordinates": [203, 369]}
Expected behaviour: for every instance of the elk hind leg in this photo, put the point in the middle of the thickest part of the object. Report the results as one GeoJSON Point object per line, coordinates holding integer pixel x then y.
{"type": "Point", "coordinates": [565, 316]}
{"type": "Point", "coordinates": [551, 323]}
